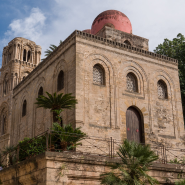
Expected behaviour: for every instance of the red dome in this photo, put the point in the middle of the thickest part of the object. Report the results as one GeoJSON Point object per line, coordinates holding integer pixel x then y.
{"type": "Point", "coordinates": [87, 31]}
{"type": "Point", "coordinates": [112, 18]}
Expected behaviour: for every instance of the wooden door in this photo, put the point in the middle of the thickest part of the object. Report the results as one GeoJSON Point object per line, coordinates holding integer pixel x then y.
{"type": "Point", "coordinates": [133, 123]}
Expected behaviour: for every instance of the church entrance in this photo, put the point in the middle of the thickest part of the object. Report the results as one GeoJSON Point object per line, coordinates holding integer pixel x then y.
{"type": "Point", "coordinates": [134, 125]}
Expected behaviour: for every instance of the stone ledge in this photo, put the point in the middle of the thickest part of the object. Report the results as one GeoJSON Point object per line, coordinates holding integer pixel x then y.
{"type": "Point", "coordinates": [74, 168]}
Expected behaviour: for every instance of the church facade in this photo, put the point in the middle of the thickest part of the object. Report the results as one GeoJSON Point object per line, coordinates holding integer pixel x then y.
{"type": "Point", "coordinates": [123, 90]}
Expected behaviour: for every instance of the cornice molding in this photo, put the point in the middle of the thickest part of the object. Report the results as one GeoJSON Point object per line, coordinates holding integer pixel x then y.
{"type": "Point", "coordinates": [123, 46]}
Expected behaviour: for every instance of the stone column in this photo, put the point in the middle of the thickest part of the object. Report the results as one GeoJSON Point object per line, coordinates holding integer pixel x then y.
{"type": "Point", "coordinates": [21, 53]}
{"type": "Point", "coordinates": [32, 57]}
{"type": "Point", "coordinates": [16, 54]}
{"type": "Point", "coordinates": [13, 77]}
{"type": "Point", "coordinates": [36, 56]}
{"type": "Point", "coordinates": [26, 56]}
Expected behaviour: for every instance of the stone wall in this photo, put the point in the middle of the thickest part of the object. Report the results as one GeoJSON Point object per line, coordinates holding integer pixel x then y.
{"type": "Point", "coordinates": [12, 72]}
{"type": "Point", "coordinates": [120, 36]}
{"type": "Point", "coordinates": [38, 120]}
{"type": "Point", "coordinates": [69, 168]}
{"type": "Point", "coordinates": [101, 110]}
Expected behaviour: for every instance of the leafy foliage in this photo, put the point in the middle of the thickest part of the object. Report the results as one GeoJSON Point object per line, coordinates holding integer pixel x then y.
{"type": "Point", "coordinates": [135, 160]}
{"type": "Point", "coordinates": [181, 182]}
{"type": "Point", "coordinates": [66, 138]}
{"type": "Point", "coordinates": [176, 49]}
{"type": "Point", "coordinates": [52, 47]}
{"type": "Point", "coordinates": [31, 147]}
{"type": "Point", "coordinates": [176, 161]}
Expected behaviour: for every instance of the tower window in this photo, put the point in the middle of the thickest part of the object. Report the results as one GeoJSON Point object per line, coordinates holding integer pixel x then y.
{"type": "Point", "coordinates": [24, 55]}
{"type": "Point", "coordinates": [40, 93]}
{"type": "Point", "coordinates": [29, 54]}
{"type": "Point", "coordinates": [98, 75]}
{"type": "Point", "coordinates": [24, 108]}
{"type": "Point", "coordinates": [60, 81]}
{"type": "Point", "coordinates": [162, 90]}
{"type": "Point", "coordinates": [132, 85]}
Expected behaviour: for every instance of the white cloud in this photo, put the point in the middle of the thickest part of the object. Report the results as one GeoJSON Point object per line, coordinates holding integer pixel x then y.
{"type": "Point", "coordinates": [154, 20]}
{"type": "Point", "coordinates": [29, 27]}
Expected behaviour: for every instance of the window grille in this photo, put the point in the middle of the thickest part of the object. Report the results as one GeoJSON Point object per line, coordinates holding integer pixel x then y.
{"type": "Point", "coordinates": [98, 75]}
{"type": "Point", "coordinates": [131, 82]}
{"type": "Point", "coordinates": [162, 90]}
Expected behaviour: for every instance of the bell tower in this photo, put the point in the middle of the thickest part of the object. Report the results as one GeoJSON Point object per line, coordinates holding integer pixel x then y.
{"type": "Point", "coordinates": [19, 58]}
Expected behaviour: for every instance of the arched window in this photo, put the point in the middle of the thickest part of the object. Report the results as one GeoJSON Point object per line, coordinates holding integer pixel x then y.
{"type": "Point", "coordinates": [60, 81]}
{"type": "Point", "coordinates": [29, 54]}
{"type": "Point", "coordinates": [16, 79]}
{"type": "Point", "coordinates": [132, 85]}
{"type": "Point", "coordinates": [40, 93]}
{"type": "Point", "coordinates": [127, 42]}
{"type": "Point", "coordinates": [24, 108]}
{"type": "Point", "coordinates": [24, 55]}
{"type": "Point", "coordinates": [162, 90]}
{"type": "Point", "coordinates": [98, 75]}
{"type": "Point", "coordinates": [5, 87]}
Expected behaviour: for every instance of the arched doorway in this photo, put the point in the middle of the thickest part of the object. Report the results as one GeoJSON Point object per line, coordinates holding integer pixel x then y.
{"type": "Point", "coordinates": [135, 130]}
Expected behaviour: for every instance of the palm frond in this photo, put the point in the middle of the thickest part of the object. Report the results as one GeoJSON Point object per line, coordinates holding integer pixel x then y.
{"type": "Point", "coordinates": [55, 101]}
{"type": "Point", "coordinates": [52, 47]}
{"type": "Point", "coordinates": [135, 160]}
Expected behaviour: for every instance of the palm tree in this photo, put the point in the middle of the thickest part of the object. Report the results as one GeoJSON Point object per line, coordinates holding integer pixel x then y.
{"type": "Point", "coordinates": [52, 47]}
{"type": "Point", "coordinates": [135, 160]}
{"type": "Point", "coordinates": [56, 103]}
{"type": "Point", "coordinates": [66, 138]}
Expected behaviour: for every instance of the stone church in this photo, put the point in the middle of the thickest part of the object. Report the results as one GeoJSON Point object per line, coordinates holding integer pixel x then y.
{"type": "Point", "coordinates": [123, 89]}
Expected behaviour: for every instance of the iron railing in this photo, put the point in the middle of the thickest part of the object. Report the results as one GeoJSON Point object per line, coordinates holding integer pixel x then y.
{"type": "Point", "coordinates": [62, 141]}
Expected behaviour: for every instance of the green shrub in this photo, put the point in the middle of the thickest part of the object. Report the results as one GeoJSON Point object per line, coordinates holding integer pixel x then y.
{"type": "Point", "coordinates": [176, 161]}
{"type": "Point", "coordinates": [66, 138]}
{"type": "Point", "coordinates": [181, 182]}
{"type": "Point", "coordinates": [31, 147]}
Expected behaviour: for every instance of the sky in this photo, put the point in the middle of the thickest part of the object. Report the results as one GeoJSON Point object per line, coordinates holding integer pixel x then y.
{"type": "Point", "coordinates": [48, 21]}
